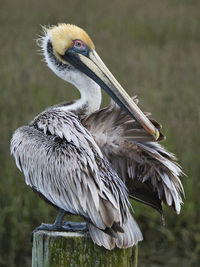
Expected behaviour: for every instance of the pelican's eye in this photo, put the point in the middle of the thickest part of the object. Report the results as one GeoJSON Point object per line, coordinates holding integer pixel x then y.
{"type": "Point", "coordinates": [79, 47]}
{"type": "Point", "coordinates": [79, 44]}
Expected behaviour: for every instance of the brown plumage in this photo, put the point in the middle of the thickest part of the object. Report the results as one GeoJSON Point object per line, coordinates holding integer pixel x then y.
{"type": "Point", "coordinates": [150, 172]}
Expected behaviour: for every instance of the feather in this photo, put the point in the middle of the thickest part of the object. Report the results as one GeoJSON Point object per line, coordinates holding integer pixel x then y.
{"type": "Point", "coordinates": [63, 163]}
{"type": "Point", "coordinates": [151, 173]}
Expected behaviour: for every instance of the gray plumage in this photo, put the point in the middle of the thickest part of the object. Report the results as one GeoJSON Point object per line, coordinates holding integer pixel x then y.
{"type": "Point", "coordinates": [76, 165]}
{"type": "Point", "coordinates": [60, 160]}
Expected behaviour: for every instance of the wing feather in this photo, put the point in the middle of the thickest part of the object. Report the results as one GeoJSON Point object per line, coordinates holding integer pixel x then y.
{"type": "Point", "coordinates": [150, 171]}
{"type": "Point", "coordinates": [61, 161]}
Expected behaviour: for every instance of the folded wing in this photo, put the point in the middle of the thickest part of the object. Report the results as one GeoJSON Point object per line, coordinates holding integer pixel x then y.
{"type": "Point", "coordinates": [61, 161]}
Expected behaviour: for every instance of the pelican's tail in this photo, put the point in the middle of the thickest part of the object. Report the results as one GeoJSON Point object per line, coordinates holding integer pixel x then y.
{"type": "Point", "coordinates": [131, 236]}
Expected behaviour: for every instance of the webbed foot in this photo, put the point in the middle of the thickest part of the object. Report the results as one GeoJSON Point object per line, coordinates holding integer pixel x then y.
{"type": "Point", "coordinates": [74, 226]}
{"type": "Point", "coordinates": [64, 227]}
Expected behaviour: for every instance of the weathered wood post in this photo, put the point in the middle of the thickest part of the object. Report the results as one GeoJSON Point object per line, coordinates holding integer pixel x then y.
{"type": "Point", "coordinates": [74, 249]}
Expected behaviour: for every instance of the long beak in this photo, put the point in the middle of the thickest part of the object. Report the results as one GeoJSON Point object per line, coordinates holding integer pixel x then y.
{"type": "Point", "coordinates": [92, 65]}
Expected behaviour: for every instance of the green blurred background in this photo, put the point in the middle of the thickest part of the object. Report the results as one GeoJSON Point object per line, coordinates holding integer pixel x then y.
{"type": "Point", "coordinates": [153, 48]}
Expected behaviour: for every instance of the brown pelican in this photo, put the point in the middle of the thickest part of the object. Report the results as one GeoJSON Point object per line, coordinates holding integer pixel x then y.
{"type": "Point", "coordinates": [87, 161]}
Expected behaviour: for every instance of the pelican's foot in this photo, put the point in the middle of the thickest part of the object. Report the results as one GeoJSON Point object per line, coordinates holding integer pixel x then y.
{"type": "Point", "coordinates": [74, 226]}
{"type": "Point", "coordinates": [48, 227]}
{"type": "Point", "coordinates": [64, 227]}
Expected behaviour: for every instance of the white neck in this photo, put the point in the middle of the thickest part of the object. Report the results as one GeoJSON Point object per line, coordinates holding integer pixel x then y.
{"type": "Point", "coordinates": [90, 91]}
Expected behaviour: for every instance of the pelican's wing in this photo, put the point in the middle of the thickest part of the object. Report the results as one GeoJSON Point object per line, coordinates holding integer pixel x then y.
{"type": "Point", "coordinates": [61, 161]}
{"type": "Point", "coordinates": [151, 172]}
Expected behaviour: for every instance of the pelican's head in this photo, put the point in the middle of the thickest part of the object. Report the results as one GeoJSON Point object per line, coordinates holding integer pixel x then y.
{"type": "Point", "coordinates": [71, 54]}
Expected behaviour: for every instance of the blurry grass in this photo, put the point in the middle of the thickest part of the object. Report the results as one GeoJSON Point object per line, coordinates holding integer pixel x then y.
{"type": "Point", "coordinates": [153, 48]}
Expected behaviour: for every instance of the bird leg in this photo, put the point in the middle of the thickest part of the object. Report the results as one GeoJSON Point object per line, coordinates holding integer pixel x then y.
{"type": "Point", "coordinates": [61, 226]}
{"type": "Point", "coordinates": [56, 226]}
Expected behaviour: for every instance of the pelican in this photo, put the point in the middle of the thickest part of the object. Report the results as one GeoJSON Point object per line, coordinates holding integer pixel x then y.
{"type": "Point", "coordinates": [89, 161]}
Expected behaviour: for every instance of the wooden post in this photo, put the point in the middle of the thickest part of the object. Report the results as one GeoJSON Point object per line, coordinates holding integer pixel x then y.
{"type": "Point", "coordinates": [74, 249]}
